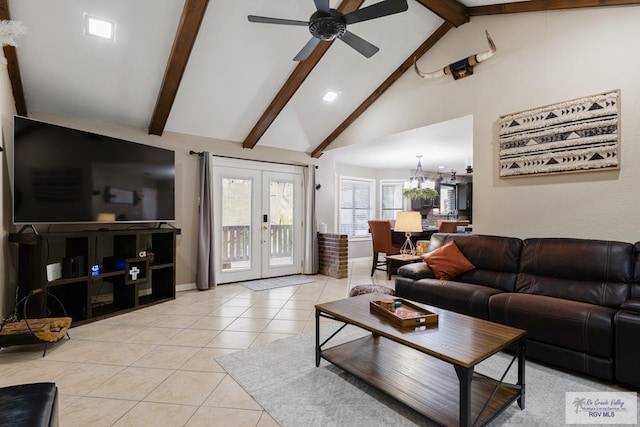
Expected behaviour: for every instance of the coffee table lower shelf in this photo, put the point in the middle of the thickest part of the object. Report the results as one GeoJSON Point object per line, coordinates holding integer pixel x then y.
{"type": "Point", "coordinates": [424, 383]}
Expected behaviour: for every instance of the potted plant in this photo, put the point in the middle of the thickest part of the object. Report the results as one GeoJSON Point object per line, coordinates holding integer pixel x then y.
{"type": "Point", "coordinates": [419, 193]}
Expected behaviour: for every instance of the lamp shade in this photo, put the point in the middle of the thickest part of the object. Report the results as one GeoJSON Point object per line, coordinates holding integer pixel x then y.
{"type": "Point", "coordinates": [408, 222]}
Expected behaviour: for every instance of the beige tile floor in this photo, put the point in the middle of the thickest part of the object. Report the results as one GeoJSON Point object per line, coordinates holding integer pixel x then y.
{"type": "Point", "coordinates": [156, 366]}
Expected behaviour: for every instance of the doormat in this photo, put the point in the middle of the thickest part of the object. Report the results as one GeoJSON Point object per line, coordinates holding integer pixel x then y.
{"type": "Point", "coordinates": [275, 282]}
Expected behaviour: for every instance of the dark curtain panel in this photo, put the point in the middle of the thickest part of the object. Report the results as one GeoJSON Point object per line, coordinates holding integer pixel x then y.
{"type": "Point", "coordinates": [311, 258]}
{"type": "Point", "coordinates": [205, 276]}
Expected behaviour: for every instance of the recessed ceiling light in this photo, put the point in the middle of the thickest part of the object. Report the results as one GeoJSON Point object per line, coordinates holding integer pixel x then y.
{"type": "Point", "coordinates": [330, 96]}
{"type": "Point", "coordinates": [99, 27]}
{"type": "Point", "coordinates": [440, 167]}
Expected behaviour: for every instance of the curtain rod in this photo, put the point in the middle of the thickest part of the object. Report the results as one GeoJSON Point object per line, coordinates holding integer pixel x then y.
{"type": "Point", "coordinates": [200, 153]}
{"type": "Point", "coordinates": [262, 161]}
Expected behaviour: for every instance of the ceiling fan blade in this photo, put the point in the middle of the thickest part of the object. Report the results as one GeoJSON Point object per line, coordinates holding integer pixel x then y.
{"type": "Point", "coordinates": [307, 49]}
{"type": "Point", "coordinates": [384, 8]}
{"type": "Point", "coordinates": [359, 44]}
{"type": "Point", "coordinates": [322, 6]}
{"type": "Point", "coordinates": [267, 20]}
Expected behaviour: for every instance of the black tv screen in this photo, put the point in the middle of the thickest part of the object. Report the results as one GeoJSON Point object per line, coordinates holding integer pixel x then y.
{"type": "Point", "coordinates": [64, 175]}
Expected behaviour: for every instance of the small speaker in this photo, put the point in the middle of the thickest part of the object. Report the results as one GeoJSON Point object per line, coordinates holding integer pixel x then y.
{"type": "Point", "coordinates": [81, 266]}
{"type": "Point", "coordinates": [69, 267]}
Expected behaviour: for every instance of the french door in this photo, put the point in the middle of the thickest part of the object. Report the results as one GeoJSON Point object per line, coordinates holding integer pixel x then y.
{"type": "Point", "coordinates": [258, 219]}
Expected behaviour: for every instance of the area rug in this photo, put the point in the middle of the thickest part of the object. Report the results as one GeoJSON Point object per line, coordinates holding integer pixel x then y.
{"type": "Point", "coordinates": [275, 282]}
{"type": "Point", "coordinates": [283, 378]}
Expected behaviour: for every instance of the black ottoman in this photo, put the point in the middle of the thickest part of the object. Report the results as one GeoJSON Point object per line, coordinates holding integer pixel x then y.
{"type": "Point", "coordinates": [370, 289]}
{"type": "Point", "coordinates": [29, 405]}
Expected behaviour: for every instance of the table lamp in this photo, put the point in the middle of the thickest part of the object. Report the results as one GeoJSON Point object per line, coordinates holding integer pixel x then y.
{"type": "Point", "coordinates": [408, 222]}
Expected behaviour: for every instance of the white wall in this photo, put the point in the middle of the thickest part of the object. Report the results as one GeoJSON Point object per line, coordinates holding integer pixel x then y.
{"type": "Point", "coordinates": [542, 58]}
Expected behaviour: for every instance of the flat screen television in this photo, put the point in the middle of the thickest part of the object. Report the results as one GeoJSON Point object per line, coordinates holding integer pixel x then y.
{"type": "Point", "coordinates": [64, 175]}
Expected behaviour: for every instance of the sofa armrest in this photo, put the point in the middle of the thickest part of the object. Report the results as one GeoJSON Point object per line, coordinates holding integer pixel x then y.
{"type": "Point", "coordinates": [627, 354]}
{"type": "Point", "coordinates": [631, 305]}
{"type": "Point", "coordinates": [416, 271]}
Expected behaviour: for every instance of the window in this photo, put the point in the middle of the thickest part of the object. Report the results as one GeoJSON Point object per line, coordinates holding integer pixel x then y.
{"type": "Point", "coordinates": [390, 198]}
{"type": "Point", "coordinates": [356, 205]}
{"type": "Point", "coordinates": [447, 199]}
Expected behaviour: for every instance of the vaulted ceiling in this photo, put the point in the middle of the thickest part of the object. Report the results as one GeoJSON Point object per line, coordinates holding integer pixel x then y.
{"type": "Point", "coordinates": [199, 67]}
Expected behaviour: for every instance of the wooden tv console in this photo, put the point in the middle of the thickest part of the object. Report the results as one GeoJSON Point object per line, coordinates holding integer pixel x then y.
{"type": "Point", "coordinates": [108, 276]}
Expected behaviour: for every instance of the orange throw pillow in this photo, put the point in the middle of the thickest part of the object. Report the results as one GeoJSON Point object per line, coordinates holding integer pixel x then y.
{"type": "Point", "coordinates": [447, 262]}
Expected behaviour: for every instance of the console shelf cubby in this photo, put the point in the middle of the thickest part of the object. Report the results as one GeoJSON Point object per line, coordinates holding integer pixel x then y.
{"type": "Point", "coordinates": [105, 272]}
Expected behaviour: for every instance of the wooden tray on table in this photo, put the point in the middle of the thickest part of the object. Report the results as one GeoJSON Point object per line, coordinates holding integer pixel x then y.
{"type": "Point", "coordinates": [404, 314]}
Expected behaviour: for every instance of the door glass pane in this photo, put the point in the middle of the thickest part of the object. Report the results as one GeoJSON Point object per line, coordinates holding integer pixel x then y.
{"type": "Point", "coordinates": [236, 223]}
{"type": "Point", "coordinates": [280, 223]}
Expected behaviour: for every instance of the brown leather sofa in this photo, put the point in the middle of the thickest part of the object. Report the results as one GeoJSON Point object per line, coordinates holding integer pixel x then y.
{"type": "Point", "coordinates": [578, 299]}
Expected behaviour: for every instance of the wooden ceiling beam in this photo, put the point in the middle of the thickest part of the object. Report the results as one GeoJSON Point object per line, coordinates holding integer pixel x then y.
{"type": "Point", "coordinates": [408, 63]}
{"type": "Point", "coordinates": [542, 5]}
{"type": "Point", "coordinates": [293, 83]}
{"type": "Point", "coordinates": [190, 21]}
{"type": "Point", "coordinates": [451, 11]}
{"type": "Point", "coordinates": [13, 67]}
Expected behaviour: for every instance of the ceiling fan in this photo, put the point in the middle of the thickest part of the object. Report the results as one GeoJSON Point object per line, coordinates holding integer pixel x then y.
{"type": "Point", "coordinates": [330, 24]}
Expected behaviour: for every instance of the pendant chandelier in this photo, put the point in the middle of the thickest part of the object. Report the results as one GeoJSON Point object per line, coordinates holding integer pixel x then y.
{"type": "Point", "coordinates": [418, 186]}
{"type": "Point", "coordinates": [418, 179]}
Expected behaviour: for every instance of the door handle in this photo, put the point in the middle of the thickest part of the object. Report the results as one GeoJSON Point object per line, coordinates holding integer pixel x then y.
{"type": "Point", "coordinates": [264, 227]}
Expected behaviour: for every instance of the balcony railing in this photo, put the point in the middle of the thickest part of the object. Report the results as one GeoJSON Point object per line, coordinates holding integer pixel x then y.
{"type": "Point", "coordinates": [236, 242]}
{"type": "Point", "coordinates": [281, 241]}
{"type": "Point", "coordinates": [236, 245]}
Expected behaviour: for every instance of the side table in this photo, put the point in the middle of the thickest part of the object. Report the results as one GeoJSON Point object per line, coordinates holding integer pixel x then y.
{"type": "Point", "coordinates": [396, 261]}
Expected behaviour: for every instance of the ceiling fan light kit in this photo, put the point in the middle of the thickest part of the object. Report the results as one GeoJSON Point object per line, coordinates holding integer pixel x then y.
{"type": "Point", "coordinates": [329, 24]}
{"type": "Point", "coordinates": [327, 28]}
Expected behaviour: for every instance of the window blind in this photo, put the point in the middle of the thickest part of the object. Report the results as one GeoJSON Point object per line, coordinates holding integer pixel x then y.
{"type": "Point", "coordinates": [391, 199]}
{"type": "Point", "coordinates": [356, 196]}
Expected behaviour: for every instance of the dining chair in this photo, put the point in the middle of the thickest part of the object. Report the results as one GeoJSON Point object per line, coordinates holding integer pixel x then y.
{"type": "Point", "coordinates": [382, 244]}
{"type": "Point", "coordinates": [447, 226]}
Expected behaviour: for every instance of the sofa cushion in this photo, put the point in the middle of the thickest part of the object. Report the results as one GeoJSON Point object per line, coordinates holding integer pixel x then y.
{"type": "Point", "coordinates": [496, 258]}
{"type": "Point", "coordinates": [590, 271]}
{"type": "Point", "coordinates": [631, 305]}
{"type": "Point", "coordinates": [464, 298]}
{"type": "Point", "coordinates": [570, 359]}
{"type": "Point", "coordinates": [578, 326]}
{"type": "Point", "coordinates": [447, 262]}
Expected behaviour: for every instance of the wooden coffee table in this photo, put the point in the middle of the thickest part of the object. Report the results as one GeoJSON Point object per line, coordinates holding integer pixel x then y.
{"type": "Point", "coordinates": [430, 369]}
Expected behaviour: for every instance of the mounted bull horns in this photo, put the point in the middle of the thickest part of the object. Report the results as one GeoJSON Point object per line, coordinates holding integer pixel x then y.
{"type": "Point", "coordinates": [462, 68]}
